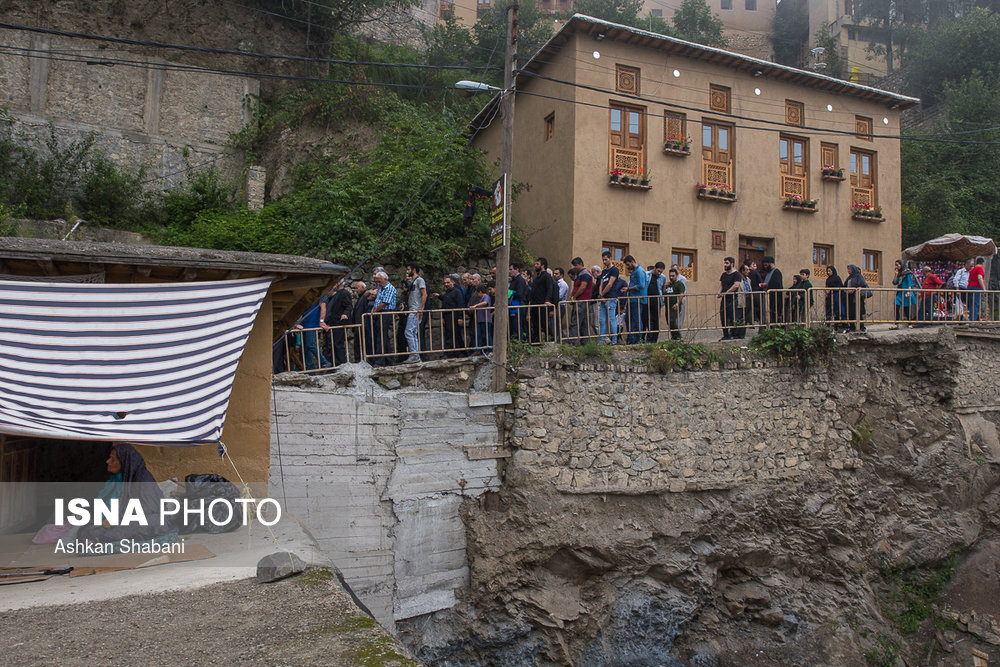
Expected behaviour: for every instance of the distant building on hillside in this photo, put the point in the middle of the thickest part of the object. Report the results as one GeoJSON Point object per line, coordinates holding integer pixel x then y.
{"type": "Point", "coordinates": [601, 101]}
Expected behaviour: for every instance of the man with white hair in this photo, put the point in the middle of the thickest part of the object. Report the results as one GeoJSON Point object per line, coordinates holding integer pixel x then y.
{"type": "Point", "coordinates": [385, 303]}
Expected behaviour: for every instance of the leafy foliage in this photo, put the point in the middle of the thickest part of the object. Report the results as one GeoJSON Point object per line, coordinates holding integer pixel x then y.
{"type": "Point", "coordinates": [807, 346]}
{"type": "Point", "coordinates": [914, 591]}
{"type": "Point", "coordinates": [695, 22]}
{"type": "Point", "coordinates": [680, 355]}
{"type": "Point", "coordinates": [790, 32]}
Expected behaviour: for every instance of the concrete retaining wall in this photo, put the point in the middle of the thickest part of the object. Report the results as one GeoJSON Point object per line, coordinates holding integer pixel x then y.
{"type": "Point", "coordinates": [379, 476]}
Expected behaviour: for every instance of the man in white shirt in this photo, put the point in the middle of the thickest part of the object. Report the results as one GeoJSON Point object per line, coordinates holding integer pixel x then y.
{"type": "Point", "coordinates": [962, 282]}
{"type": "Point", "coordinates": [680, 277]}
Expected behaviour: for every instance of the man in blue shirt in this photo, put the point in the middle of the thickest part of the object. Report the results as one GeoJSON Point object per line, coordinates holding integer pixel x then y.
{"type": "Point", "coordinates": [609, 299]}
{"type": "Point", "coordinates": [310, 350]}
{"type": "Point", "coordinates": [637, 283]}
{"type": "Point", "coordinates": [385, 303]}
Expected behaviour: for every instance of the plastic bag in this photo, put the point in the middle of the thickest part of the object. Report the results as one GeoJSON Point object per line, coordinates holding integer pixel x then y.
{"type": "Point", "coordinates": [208, 488]}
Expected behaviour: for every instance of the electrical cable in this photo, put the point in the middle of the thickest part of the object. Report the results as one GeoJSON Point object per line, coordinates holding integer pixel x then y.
{"type": "Point", "coordinates": [217, 51]}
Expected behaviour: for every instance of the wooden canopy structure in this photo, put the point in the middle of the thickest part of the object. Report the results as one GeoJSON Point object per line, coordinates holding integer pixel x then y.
{"type": "Point", "coordinates": [297, 283]}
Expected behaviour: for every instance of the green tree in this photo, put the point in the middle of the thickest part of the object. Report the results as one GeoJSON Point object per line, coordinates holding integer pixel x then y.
{"type": "Point", "coordinates": [534, 28]}
{"type": "Point", "coordinates": [790, 32]}
{"type": "Point", "coordinates": [695, 22]}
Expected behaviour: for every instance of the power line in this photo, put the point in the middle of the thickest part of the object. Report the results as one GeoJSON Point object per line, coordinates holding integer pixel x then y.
{"type": "Point", "coordinates": [232, 52]}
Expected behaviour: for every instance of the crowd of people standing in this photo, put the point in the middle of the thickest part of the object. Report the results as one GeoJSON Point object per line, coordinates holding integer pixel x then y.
{"type": "Point", "coordinates": [599, 303]}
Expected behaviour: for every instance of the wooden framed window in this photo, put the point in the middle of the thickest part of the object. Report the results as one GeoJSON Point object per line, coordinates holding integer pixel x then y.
{"type": "Point", "coordinates": [793, 158]}
{"type": "Point", "coordinates": [718, 240]}
{"type": "Point", "coordinates": [795, 113]}
{"type": "Point", "coordinates": [656, 13]}
{"type": "Point", "coordinates": [751, 5]}
{"type": "Point", "coordinates": [717, 144]}
{"type": "Point", "coordinates": [550, 126]}
{"type": "Point", "coordinates": [829, 155]}
{"type": "Point", "coordinates": [863, 127]}
{"type": "Point", "coordinates": [871, 266]}
{"type": "Point", "coordinates": [650, 232]}
{"type": "Point", "coordinates": [686, 261]}
{"type": "Point", "coordinates": [483, 6]}
{"type": "Point", "coordinates": [619, 251]}
{"type": "Point", "coordinates": [627, 79]}
{"type": "Point", "coordinates": [864, 185]}
{"type": "Point", "coordinates": [727, 4]}
{"type": "Point", "coordinates": [446, 9]}
{"type": "Point", "coordinates": [719, 98]}
{"type": "Point", "coordinates": [674, 126]}
{"type": "Point", "coordinates": [627, 139]}
{"type": "Point", "coordinates": [822, 257]}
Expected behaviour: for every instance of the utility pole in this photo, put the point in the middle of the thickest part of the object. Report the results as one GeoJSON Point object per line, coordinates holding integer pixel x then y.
{"type": "Point", "coordinates": [500, 316]}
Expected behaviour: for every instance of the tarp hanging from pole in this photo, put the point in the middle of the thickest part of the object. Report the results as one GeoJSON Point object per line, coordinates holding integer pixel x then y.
{"type": "Point", "coordinates": [138, 362]}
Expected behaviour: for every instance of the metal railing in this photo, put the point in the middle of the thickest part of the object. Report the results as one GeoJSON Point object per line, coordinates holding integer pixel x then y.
{"type": "Point", "coordinates": [398, 336]}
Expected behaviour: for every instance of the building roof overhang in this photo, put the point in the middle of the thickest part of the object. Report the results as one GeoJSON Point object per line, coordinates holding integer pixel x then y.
{"type": "Point", "coordinates": [297, 283]}
{"type": "Point", "coordinates": [602, 30]}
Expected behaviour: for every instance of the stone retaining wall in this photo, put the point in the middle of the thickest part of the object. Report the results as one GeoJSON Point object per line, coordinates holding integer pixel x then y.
{"type": "Point", "coordinates": [613, 429]}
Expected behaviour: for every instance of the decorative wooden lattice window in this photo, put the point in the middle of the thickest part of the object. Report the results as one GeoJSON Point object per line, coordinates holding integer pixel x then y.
{"type": "Point", "coordinates": [550, 126]}
{"type": "Point", "coordinates": [674, 126]}
{"type": "Point", "coordinates": [871, 266]}
{"type": "Point", "coordinates": [864, 188]}
{"type": "Point", "coordinates": [627, 79]}
{"type": "Point", "coordinates": [795, 113]}
{"type": "Point", "coordinates": [686, 261]}
{"type": "Point", "coordinates": [619, 251]}
{"type": "Point", "coordinates": [446, 9]}
{"type": "Point", "coordinates": [627, 139]}
{"type": "Point", "coordinates": [719, 98]}
{"type": "Point", "coordinates": [718, 240]}
{"type": "Point", "coordinates": [650, 232]}
{"type": "Point", "coordinates": [793, 162]}
{"type": "Point", "coordinates": [717, 143]}
{"type": "Point", "coordinates": [822, 257]}
{"type": "Point", "coordinates": [829, 155]}
{"type": "Point", "coordinates": [863, 127]}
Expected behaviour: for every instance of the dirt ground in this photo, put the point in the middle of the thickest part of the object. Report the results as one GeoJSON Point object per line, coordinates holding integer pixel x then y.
{"type": "Point", "coordinates": [305, 620]}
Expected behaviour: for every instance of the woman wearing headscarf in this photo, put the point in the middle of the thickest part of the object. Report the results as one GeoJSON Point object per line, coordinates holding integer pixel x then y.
{"type": "Point", "coordinates": [834, 297]}
{"type": "Point", "coordinates": [856, 299]}
{"type": "Point", "coordinates": [130, 480]}
{"type": "Point", "coordinates": [906, 294]}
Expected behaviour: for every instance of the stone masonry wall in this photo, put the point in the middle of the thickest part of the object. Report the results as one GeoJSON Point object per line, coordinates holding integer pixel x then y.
{"type": "Point", "coordinates": [145, 115]}
{"type": "Point", "coordinates": [612, 429]}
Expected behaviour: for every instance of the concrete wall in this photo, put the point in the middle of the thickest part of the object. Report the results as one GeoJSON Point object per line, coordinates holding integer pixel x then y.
{"type": "Point", "coordinates": [555, 172]}
{"type": "Point", "coordinates": [144, 115]}
{"type": "Point", "coordinates": [379, 476]}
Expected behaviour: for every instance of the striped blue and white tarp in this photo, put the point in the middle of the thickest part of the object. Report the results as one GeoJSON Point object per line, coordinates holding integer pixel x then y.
{"type": "Point", "coordinates": [136, 362]}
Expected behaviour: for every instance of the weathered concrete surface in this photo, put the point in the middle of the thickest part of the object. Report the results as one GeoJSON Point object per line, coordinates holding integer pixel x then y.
{"type": "Point", "coordinates": [379, 477]}
{"type": "Point", "coordinates": [761, 564]}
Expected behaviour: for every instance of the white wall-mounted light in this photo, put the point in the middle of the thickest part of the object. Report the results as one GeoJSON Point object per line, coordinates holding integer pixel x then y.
{"type": "Point", "coordinates": [677, 73]}
{"type": "Point", "coordinates": [597, 55]}
{"type": "Point", "coordinates": [756, 91]}
{"type": "Point", "coordinates": [829, 107]}
{"type": "Point", "coordinates": [885, 121]}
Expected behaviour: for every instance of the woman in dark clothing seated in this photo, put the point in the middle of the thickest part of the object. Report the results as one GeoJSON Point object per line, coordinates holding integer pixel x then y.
{"type": "Point", "coordinates": [130, 480]}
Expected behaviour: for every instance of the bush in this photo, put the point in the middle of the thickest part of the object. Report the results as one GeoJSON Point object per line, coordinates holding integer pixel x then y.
{"type": "Point", "coordinates": [681, 355]}
{"type": "Point", "coordinates": [242, 229]}
{"type": "Point", "coordinates": [807, 346]}
{"type": "Point", "coordinates": [113, 197]}
{"type": "Point", "coordinates": [206, 190]}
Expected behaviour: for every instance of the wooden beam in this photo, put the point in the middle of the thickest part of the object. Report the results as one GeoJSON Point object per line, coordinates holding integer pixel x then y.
{"type": "Point", "coordinates": [47, 266]}
{"type": "Point", "coordinates": [189, 274]}
{"type": "Point", "coordinates": [301, 283]}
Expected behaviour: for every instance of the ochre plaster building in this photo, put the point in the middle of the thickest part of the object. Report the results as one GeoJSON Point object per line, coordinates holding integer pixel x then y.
{"type": "Point", "coordinates": [601, 97]}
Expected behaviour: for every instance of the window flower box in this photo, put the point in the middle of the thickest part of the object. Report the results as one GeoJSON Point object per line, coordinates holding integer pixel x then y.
{"type": "Point", "coordinates": [799, 208]}
{"type": "Point", "coordinates": [629, 183]}
{"type": "Point", "coordinates": [730, 197]}
{"type": "Point", "coordinates": [832, 174]}
{"type": "Point", "coordinates": [867, 217]}
{"type": "Point", "coordinates": [676, 150]}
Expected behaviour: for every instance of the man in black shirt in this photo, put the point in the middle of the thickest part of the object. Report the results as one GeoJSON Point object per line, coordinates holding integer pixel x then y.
{"type": "Point", "coordinates": [540, 294]}
{"type": "Point", "coordinates": [519, 296]}
{"type": "Point", "coordinates": [772, 283]}
{"type": "Point", "coordinates": [728, 284]}
{"type": "Point", "coordinates": [755, 307]}
{"type": "Point", "coordinates": [335, 313]}
{"type": "Point", "coordinates": [362, 305]}
{"type": "Point", "coordinates": [453, 302]}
